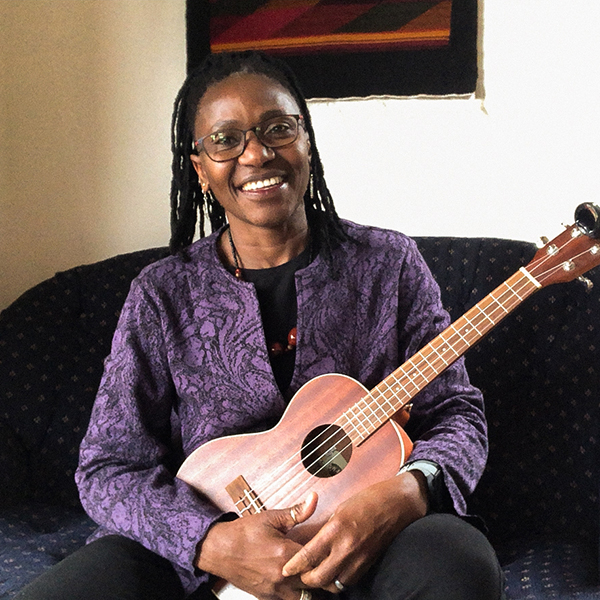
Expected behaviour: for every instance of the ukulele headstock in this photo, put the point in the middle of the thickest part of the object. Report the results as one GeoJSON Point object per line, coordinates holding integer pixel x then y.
{"type": "Point", "coordinates": [572, 253]}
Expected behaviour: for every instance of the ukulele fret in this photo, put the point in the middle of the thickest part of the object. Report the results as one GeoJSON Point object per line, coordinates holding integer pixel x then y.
{"type": "Point", "coordinates": [385, 398]}
{"type": "Point", "coordinates": [432, 367]}
{"type": "Point", "coordinates": [499, 303]}
{"type": "Point", "coordinates": [440, 356]}
{"type": "Point", "coordinates": [484, 315]}
{"type": "Point", "coordinates": [395, 389]}
{"type": "Point", "coordinates": [356, 436]}
{"type": "Point", "coordinates": [354, 419]}
{"type": "Point", "coordinates": [364, 418]}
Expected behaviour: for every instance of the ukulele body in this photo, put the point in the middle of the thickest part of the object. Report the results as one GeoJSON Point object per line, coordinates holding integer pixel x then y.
{"type": "Point", "coordinates": [277, 468]}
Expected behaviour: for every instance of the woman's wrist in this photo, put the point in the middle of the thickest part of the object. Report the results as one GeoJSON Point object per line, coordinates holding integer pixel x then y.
{"type": "Point", "coordinates": [207, 554]}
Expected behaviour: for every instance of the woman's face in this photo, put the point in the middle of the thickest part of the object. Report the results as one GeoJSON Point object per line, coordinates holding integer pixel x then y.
{"type": "Point", "coordinates": [243, 101]}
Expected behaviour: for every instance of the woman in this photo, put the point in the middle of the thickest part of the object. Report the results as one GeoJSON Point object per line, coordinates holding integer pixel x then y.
{"type": "Point", "coordinates": [216, 339]}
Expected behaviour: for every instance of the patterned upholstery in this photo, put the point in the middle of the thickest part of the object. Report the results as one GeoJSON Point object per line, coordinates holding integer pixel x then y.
{"type": "Point", "coordinates": [538, 370]}
{"type": "Point", "coordinates": [33, 538]}
{"type": "Point", "coordinates": [53, 341]}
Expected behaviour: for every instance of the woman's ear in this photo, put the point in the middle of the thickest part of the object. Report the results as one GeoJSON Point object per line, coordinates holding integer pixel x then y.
{"type": "Point", "coordinates": [200, 171]}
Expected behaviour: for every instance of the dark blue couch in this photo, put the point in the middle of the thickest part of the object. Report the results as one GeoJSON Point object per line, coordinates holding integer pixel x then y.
{"type": "Point", "coordinates": [538, 370]}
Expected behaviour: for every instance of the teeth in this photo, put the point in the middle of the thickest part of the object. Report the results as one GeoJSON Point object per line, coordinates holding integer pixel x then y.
{"type": "Point", "coordinates": [257, 185]}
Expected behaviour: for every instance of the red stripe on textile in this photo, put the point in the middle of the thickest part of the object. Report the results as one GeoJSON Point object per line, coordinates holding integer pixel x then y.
{"type": "Point", "coordinates": [221, 23]}
{"type": "Point", "coordinates": [260, 25]}
{"type": "Point", "coordinates": [437, 17]}
{"type": "Point", "coordinates": [309, 26]}
{"type": "Point", "coordinates": [325, 18]}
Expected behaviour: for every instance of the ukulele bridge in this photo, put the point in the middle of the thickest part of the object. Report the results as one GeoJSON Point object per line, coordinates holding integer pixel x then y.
{"type": "Point", "coordinates": [244, 497]}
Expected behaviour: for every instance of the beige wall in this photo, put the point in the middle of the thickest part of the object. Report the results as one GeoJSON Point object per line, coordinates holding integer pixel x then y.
{"type": "Point", "coordinates": [86, 94]}
{"type": "Point", "coordinates": [87, 88]}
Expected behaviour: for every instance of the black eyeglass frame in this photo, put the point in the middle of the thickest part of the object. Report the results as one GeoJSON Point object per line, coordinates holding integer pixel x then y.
{"type": "Point", "coordinates": [199, 143]}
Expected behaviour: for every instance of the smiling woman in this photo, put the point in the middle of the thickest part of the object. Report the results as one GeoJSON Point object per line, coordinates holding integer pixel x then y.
{"type": "Point", "coordinates": [262, 192]}
{"type": "Point", "coordinates": [234, 330]}
{"type": "Point", "coordinates": [210, 104]}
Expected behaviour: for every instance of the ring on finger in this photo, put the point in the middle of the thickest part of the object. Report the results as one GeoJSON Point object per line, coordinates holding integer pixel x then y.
{"type": "Point", "coordinates": [305, 595]}
{"type": "Point", "coordinates": [339, 585]}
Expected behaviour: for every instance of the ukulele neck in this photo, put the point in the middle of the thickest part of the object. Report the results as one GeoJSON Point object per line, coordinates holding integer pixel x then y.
{"type": "Point", "coordinates": [396, 391]}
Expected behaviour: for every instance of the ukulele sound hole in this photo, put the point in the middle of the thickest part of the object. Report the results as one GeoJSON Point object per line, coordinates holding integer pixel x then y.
{"type": "Point", "coordinates": [326, 451]}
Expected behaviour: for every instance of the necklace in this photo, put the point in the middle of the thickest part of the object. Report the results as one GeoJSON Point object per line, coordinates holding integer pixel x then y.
{"type": "Point", "coordinates": [274, 348]}
{"type": "Point", "coordinates": [277, 348]}
{"type": "Point", "coordinates": [236, 260]}
{"type": "Point", "coordinates": [236, 257]}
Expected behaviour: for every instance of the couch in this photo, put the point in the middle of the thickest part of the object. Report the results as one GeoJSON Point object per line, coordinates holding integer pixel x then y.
{"type": "Point", "coordinates": [538, 370]}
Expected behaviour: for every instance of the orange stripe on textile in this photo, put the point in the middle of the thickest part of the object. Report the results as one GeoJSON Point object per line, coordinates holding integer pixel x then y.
{"type": "Point", "coordinates": [343, 42]}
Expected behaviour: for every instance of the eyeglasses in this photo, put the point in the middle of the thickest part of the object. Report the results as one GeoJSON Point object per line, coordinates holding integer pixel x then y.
{"type": "Point", "coordinates": [230, 143]}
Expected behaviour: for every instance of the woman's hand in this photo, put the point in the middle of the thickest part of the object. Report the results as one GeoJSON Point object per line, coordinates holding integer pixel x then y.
{"type": "Point", "coordinates": [359, 531]}
{"type": "Point", "coordinates": [250, 552]}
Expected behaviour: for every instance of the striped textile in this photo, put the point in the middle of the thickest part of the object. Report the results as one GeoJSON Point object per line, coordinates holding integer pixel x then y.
{"type": "Point", "coordinates": [309, 26]}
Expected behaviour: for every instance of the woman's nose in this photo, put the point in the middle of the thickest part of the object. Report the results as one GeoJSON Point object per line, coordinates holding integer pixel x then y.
{"type": "Point", "coordinates": [255, 152]}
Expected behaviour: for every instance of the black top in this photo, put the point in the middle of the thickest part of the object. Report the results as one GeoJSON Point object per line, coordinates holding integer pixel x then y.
{"type": "Point", "coordinates": [276, 291]}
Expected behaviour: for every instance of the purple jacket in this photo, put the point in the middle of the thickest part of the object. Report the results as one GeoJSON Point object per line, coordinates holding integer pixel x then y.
{"type": "Point", "coordinates": [189, 363]}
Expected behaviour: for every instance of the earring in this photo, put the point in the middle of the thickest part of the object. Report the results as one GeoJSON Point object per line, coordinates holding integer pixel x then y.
{"type": "Point", "coordinates": [207, 195]}
{"type": "Point", "coordinates": [311, 186]}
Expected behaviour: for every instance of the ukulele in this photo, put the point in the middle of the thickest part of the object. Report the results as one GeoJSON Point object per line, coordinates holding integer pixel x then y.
{"type": "Point", "coordinates": [336, 437]}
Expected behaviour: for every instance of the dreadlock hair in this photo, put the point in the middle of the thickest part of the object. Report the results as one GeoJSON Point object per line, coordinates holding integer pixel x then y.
{"type": "Point", "coordinates": [189, 206]}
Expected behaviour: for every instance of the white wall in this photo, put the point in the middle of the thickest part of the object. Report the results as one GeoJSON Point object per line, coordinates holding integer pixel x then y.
{"type": "Point", "coordinates": [86, 94]}
{"type": "Point", "coordinates": [447, 167]}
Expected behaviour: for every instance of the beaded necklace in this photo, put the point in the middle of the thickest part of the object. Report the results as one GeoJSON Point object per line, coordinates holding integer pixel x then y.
{"type": "Point", "coordinates": [275, 348]}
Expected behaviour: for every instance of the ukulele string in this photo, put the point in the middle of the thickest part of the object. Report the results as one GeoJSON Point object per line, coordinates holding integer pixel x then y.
{"type": "Point", "coordinates": [408, 375]}
{"type": "Point", "coordinates": [305, 469]}
{"type": "Point", "coordinates": [280, 480]}
{"type": "Point", "coordinates": [326, 442]}
{"type": "Point", "coordinates": [535, 264]}
{"type": "Point", "coordinates": [512, 291]}
{"type": "Point", "coordinates": [411, 379]}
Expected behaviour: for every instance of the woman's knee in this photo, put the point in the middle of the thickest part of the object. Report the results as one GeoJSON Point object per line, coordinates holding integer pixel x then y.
{"type": "Point", "coordinates": [110, 567]}
{"type": "Point", "coordinates": [438, 557]}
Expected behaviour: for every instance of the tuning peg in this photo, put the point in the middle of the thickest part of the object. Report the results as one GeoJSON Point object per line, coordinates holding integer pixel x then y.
{"type": "Point", "coordinates": [588, 284]}
{"type": "Point", "coordinates": [543, 241]}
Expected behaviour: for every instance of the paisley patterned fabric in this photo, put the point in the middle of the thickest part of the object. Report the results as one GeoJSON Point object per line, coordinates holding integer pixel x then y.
{"type": "Point", "coordinates": [189, 363]}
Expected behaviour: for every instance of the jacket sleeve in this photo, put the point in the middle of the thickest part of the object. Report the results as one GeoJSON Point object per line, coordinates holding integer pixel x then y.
{"type": "Point", "coordinates": [130, 453]}
{"type": "Point", "coordinates": [447, 421]}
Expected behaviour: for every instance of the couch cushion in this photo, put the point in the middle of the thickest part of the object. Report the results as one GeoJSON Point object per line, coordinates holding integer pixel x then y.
{"type": "Point", "coordinates": [543, 570]}
{"type": "Point", "coordinates": [538, 370]}
{"type": "Point", "coordinates": [53, 340]}
{"type": "Point", "coordinates": [35, 537]}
